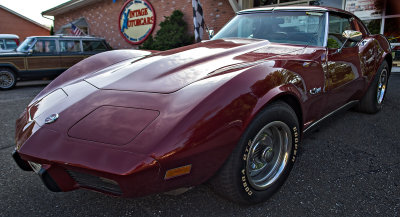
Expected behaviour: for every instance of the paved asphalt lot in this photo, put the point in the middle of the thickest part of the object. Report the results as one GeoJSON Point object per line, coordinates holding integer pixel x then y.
{"type": "Point", "coordinates": [349, 167]}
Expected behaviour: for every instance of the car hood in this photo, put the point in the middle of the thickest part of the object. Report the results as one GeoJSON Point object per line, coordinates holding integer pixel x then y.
{"type": "Point", "coordinates": [169, 71]}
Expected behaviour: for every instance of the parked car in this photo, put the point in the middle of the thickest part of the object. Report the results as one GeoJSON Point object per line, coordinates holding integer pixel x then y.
{"type": "Point", "coordinates": [41, 57]}
{"type": "Point", "coordinates": [8, 42]}
{"type": "Point", "coordinates": [231, 111]}
{"type": "Point", "coordinates": [395, 51]}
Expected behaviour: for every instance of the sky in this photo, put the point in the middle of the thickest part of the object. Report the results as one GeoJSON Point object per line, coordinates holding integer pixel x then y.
{"type": "Point", "coordinates": [32, 8]}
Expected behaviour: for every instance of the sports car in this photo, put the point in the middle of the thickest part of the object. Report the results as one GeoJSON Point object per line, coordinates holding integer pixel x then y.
{"type": "Point", "coordinates": [230, 111]}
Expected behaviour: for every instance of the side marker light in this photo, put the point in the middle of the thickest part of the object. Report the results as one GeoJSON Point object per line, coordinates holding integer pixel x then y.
{"type": "Point", "coordinates": [179, 171]}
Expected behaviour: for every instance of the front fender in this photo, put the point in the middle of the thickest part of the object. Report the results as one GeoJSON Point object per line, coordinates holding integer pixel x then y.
{"type": "Point", "coordinates": [213, 126]}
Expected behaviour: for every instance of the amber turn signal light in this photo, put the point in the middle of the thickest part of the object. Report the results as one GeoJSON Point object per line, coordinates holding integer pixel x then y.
{"type": "Point", "coordinates": [179, 171]}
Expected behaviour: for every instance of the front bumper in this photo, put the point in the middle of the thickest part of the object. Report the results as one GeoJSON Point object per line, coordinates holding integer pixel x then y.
{"type": "Point", "coordinates": [47, 180]}
{"type": "Point", "coordinates": [61, 178]}
{"type": "Point", "coordinates": [23, 165]}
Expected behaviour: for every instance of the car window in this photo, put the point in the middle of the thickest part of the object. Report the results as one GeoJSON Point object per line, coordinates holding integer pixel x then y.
{"type": "Point", "coordinates": [337, 25]}
{"type": "Point", "coordinates": [44, 46]}
{"type": "Point", "coordinates": [68, 46]}
{"type": "Point", "coordinates": [11, 44]}
{"type": "Point", "coordinates": [26, 45]}
{"type": "Point", "coordinates": [2, 44]}
{"type": "Point", "coordinates": [307, 28]}
{"type": "Point", "coordinates": [359, 26]}
{"type": "Point", "coordinates": [93, 46]}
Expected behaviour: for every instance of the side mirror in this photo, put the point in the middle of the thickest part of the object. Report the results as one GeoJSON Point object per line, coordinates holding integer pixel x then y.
{"type": "Point", "coordinates": [30, 51]}
{"type": "Point", "coordinates": [210, 33]}
{"type": "Point", "coordinates": [352, 35]}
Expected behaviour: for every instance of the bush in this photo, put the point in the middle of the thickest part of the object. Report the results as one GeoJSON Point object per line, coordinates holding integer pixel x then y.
{"type": "Point", "coordinates": [172, 34]}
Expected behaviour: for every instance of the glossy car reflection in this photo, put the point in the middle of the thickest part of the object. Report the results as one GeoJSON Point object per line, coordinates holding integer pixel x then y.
{"type": "Point", "coordinates": [231, 110]}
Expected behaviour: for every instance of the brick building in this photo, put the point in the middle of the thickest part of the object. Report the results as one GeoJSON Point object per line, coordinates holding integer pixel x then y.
{"type": "Point", "coordinates": [101, 17]}
{"type": "Point", "coordinates": [12, 22]}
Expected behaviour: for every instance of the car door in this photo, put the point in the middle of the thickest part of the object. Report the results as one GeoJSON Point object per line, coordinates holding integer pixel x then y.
{"type": "Point", "coordinates": [44, 60]}
{"type": "Point", "coordinates": [70, 52]}
{"type": "Point", "coordinates": [344, 75]}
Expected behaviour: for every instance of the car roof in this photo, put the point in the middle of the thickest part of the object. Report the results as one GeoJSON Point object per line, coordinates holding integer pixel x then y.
{"type": "Point", "coordinates": [293, 8]}
{"type": "Point", "coordinates": [12, 36]}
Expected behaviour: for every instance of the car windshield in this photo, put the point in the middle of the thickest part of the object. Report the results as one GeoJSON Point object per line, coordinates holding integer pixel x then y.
{"type": "Point", "coordinates": [24, 47]}
{"type": "Point", "coordinates": [305, 28]}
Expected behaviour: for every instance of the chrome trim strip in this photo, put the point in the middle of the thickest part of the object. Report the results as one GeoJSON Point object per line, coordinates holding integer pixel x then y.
{"type": "Point", "coordinates": [349, 104]}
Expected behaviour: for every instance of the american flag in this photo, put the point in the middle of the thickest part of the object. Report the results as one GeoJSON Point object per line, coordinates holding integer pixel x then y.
{"type": "Point", "coordinates": [75, 30]}
{"type": "Point", "coordinates": [198, 20]}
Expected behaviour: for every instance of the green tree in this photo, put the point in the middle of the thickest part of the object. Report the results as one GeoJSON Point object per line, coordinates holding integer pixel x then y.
{"type": "Point", "coordinates": [172, 34]}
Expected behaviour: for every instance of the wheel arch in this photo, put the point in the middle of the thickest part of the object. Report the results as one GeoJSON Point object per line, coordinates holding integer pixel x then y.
{"type": "Point", "coordinates": [294, 103]}
{"type": "Point", "coordinates": [11, 67]}
{"type": "Point", "coordinates": [389, 59]}
{"type": "Point", "coordinates": [289, 98]}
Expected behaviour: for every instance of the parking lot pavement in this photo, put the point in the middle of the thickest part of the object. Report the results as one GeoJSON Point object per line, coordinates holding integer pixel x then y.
{"type": "Point", "coordinates": [349, 167]}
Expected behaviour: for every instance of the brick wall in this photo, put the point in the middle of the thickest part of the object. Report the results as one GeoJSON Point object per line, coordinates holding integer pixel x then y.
{"type": "Point", "coordinates": [13, 24]}
{"type": "Point", "coordinates": [103, 17]}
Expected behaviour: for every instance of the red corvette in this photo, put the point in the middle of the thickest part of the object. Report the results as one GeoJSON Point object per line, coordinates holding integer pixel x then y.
{"type": "Point", "coordinates": [231, 110]}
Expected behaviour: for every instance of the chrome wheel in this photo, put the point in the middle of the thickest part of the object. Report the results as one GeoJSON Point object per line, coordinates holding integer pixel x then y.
{"type": "Point", "coordinates": [7, 79]}
{"type": "Point", "coordinates": [268, 154]}
{"type": "Point", "coordinates": [382, 82]}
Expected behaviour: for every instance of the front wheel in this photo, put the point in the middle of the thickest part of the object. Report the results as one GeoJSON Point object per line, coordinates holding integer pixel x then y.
{"type": "Point", "coordinates": [262, 160]}
{"type": "Point", "coordinates": [7, 79]}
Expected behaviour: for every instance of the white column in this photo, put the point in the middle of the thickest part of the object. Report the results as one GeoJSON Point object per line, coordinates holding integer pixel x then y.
{"type": "Point", "coordinates": [235, 6]}
{"type": "Point", "coordinates": [383, 18]}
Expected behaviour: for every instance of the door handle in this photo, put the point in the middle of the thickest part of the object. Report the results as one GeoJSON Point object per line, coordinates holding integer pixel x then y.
{"type": "Point", "coordinates": [315, 90]}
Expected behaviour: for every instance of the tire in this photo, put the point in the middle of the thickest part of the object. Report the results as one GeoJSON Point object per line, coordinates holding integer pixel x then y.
{"type": "Point", "coordinates": [8, 79]}
{"type": "Point", "coordinates": [262, 160]}
{"type": "Point", "coordinates": [373, 99]}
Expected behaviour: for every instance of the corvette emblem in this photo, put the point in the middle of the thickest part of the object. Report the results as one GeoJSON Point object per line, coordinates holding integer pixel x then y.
{"type": "Point", "coordinates": [52, 118]}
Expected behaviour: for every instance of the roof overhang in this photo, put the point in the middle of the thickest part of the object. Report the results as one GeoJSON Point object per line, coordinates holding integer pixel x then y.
{"type": "Point", "coordinates": [68, 6]}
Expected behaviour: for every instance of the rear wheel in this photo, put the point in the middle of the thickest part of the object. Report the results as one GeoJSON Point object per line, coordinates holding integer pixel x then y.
{"type": "Point", "coordinates": [7, 79]}
{"type": "Point", "coordinates": [262, 160]}
{"type": "Point", "coordinates": [375, 95]}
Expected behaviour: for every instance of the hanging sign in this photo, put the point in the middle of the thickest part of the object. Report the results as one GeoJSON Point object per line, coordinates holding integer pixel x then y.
{"type": "Point", "coordinates": [136, 21]}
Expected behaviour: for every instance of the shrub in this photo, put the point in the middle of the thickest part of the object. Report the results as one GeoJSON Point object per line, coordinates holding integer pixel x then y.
{"type": "Point", "coordinates": [172, 34]}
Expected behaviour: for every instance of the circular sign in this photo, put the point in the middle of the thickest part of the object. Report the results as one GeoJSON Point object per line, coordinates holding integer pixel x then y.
{"type": "Point", "coordinates": [136, 21]}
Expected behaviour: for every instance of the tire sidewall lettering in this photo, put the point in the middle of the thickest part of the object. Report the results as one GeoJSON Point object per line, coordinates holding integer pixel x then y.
{"type": "Point", "coordinates": [243, 171]}
{"type": "Point", "coordinates": [243, 177]}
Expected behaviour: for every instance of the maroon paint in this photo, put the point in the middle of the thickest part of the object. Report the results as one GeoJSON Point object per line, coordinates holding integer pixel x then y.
{"type": "Point", "coordinates": [204, 102]}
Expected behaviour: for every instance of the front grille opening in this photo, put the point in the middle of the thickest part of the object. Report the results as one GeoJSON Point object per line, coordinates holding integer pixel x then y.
{"type": "Point", "coordinates": [96, 182]}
